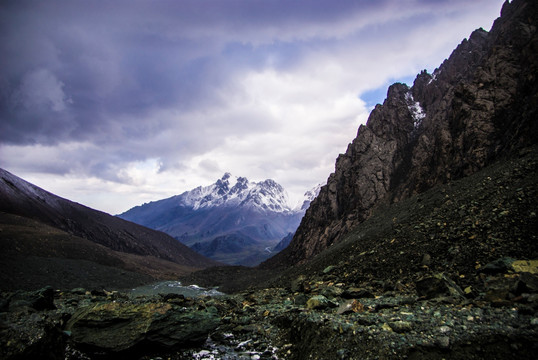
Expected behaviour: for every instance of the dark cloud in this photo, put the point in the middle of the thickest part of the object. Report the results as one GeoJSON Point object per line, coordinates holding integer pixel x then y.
{"type": "Point", "coordinates": [106, 88]}
{"type": "Point", "coordinates": [71, 68]}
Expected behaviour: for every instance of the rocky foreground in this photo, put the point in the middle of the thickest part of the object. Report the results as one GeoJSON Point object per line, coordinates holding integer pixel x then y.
{"type": "Point", "coordinates": [319, 318]}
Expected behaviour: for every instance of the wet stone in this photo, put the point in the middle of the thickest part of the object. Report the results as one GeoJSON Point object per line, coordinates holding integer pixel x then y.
{"type": "Point", "coordinates": [346, 307]}
{"type": "Point", "coordinates": [319, 302]}
{"type": "Point", "coordinates": [401, 326]}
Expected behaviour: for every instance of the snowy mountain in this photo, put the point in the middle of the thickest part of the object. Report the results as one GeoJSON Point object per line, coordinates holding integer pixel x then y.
{"type": "Point", "coordinates": [233, 220]}
{"type": "Point", "coordinates": [265, 196]}
{"type": "Point", "coordinates": [309, 196]}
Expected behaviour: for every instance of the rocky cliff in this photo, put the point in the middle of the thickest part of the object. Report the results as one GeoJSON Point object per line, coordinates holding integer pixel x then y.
{"type": "Point", "coordinates": [479, 105]}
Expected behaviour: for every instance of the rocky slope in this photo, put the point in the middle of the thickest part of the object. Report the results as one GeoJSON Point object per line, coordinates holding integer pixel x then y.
{"type": "Point", "coordinates": [480, 104]}
{"type": "Point", "coordinates": [434, 276]}
{"type": "Point", "coordinates": [233, 220]}
{"type": "Point", "coordinates": [49, 240]}
{"type": "Point", "coordinates": [453, 229]}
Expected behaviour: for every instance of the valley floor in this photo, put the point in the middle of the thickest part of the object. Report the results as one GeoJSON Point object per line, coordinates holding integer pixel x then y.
{"type": "Point", "coordinates": [311, 320]}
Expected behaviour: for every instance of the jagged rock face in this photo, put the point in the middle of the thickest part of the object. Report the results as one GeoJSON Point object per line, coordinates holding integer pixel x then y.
{"type": "Point", "coordinates": [480, 104]}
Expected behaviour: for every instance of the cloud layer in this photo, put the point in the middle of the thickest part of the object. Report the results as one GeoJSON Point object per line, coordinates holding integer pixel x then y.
{"type": "Point", "coordinates": [117, 103]}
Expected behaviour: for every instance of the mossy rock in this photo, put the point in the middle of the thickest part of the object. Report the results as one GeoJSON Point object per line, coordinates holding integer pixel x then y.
{"type": "Point", "coordinates": [118, 327]}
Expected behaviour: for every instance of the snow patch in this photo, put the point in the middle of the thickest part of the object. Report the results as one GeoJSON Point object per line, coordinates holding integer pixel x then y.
{"type": "Point", "coordinates": [417, 112]}
{"type": "Point", "coordinates": [434, 76]}
{"type": "Point", "coordinates": [308, 197]}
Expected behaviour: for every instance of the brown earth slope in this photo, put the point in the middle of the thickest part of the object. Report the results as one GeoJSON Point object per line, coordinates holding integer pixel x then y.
{"type": "Point", "coordinates": [47, 240]}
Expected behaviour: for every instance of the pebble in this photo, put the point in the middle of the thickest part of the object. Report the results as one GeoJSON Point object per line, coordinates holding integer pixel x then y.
{"type": "Point", "coordinates": [386, 327]}
{"type": "Point", "coordinates": [445, 329]}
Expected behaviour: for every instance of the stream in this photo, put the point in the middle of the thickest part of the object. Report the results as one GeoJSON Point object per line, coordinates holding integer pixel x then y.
{"type": "Point", "coordinates": [174, 287]}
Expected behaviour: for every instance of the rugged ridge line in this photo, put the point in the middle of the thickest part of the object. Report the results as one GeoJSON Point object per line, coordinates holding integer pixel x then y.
{"type": "Point", "coordinates": [479, 105]}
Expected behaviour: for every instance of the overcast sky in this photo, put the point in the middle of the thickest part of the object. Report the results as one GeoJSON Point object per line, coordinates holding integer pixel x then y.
{"type": "Point", "coordinates": [117, 103]}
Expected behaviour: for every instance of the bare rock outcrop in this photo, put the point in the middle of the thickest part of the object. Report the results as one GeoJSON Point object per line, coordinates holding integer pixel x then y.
{"type": "Point", "coordinates": [479, 105]}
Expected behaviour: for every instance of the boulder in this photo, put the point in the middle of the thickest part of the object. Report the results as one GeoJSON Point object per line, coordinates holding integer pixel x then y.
{"type": "Point", "coordinates": [525, 266]}
{"type": "Point", "coordinates": [401, 326]}
{"type": "Point", "coordinates": [114, 327]}
{"type": "Point", "coordinates": [31, 334]}
{"type": "Point", "coordinates": [298, 285]}
{"type": "Point", "coordinates": [438, 286]}
{"type": "Point", "coordinates": [498, 266]}
{"type": "Point", "coordinates": [42, 299]}
{"type": "Point", "coordinates": [357, 293]}
{"type": "Point", "coordinates": [319, 302]}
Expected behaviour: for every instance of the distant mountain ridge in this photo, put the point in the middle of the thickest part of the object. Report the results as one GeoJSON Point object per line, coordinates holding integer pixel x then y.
{"type": "Point", "coordinates": [232, 220]}
{"type": "Point", "coordinates": [266, 195]}
{"type": "Point", "coordinates": [32, 218]}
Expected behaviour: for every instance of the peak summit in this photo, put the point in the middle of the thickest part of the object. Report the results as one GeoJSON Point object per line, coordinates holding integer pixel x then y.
{"type": "Point", "coordinates": [266, 195]}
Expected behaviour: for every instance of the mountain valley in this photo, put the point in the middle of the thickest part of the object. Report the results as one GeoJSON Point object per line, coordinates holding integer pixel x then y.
{"type": "Point", "coordinates": [423, 244]}
{"type": "Point", "coordinates": [232, 221]}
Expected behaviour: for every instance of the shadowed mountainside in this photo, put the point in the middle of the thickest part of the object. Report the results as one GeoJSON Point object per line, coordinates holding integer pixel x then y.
{"type": "Point", "coordinates": [49, 238]}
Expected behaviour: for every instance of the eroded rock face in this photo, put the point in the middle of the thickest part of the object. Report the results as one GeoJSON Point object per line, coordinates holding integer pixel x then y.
{"type": "Point", "coordinates": [479, 105]}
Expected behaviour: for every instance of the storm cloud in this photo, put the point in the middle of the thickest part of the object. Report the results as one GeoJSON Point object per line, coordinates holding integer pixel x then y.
{"type": "Point", "coordinates": [113, 103]}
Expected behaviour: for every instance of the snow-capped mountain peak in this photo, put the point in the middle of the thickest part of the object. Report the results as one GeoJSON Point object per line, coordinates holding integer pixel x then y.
{"type": "Point", "coordinates": [308, 197]}
{"type": "Point", "coordinates": [238, 191]}
{"type": "Point", "coordinates": [232, 220]}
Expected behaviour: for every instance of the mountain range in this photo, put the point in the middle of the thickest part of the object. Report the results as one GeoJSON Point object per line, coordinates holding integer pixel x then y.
{"type": "Point", "coordinates": [45, 239]}
{"type": "Point", "coordinates": [233, 220]}
{"type": "Point", "coordinates": [422, 244]}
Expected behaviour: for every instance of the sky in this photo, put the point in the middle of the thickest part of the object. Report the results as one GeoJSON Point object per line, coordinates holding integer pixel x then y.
{"type": "Point", "coordinates": [116, 103]}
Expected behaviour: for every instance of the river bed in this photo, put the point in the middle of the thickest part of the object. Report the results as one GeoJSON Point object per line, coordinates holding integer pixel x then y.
{"type": "Point", "coordinates": [174, 287]}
